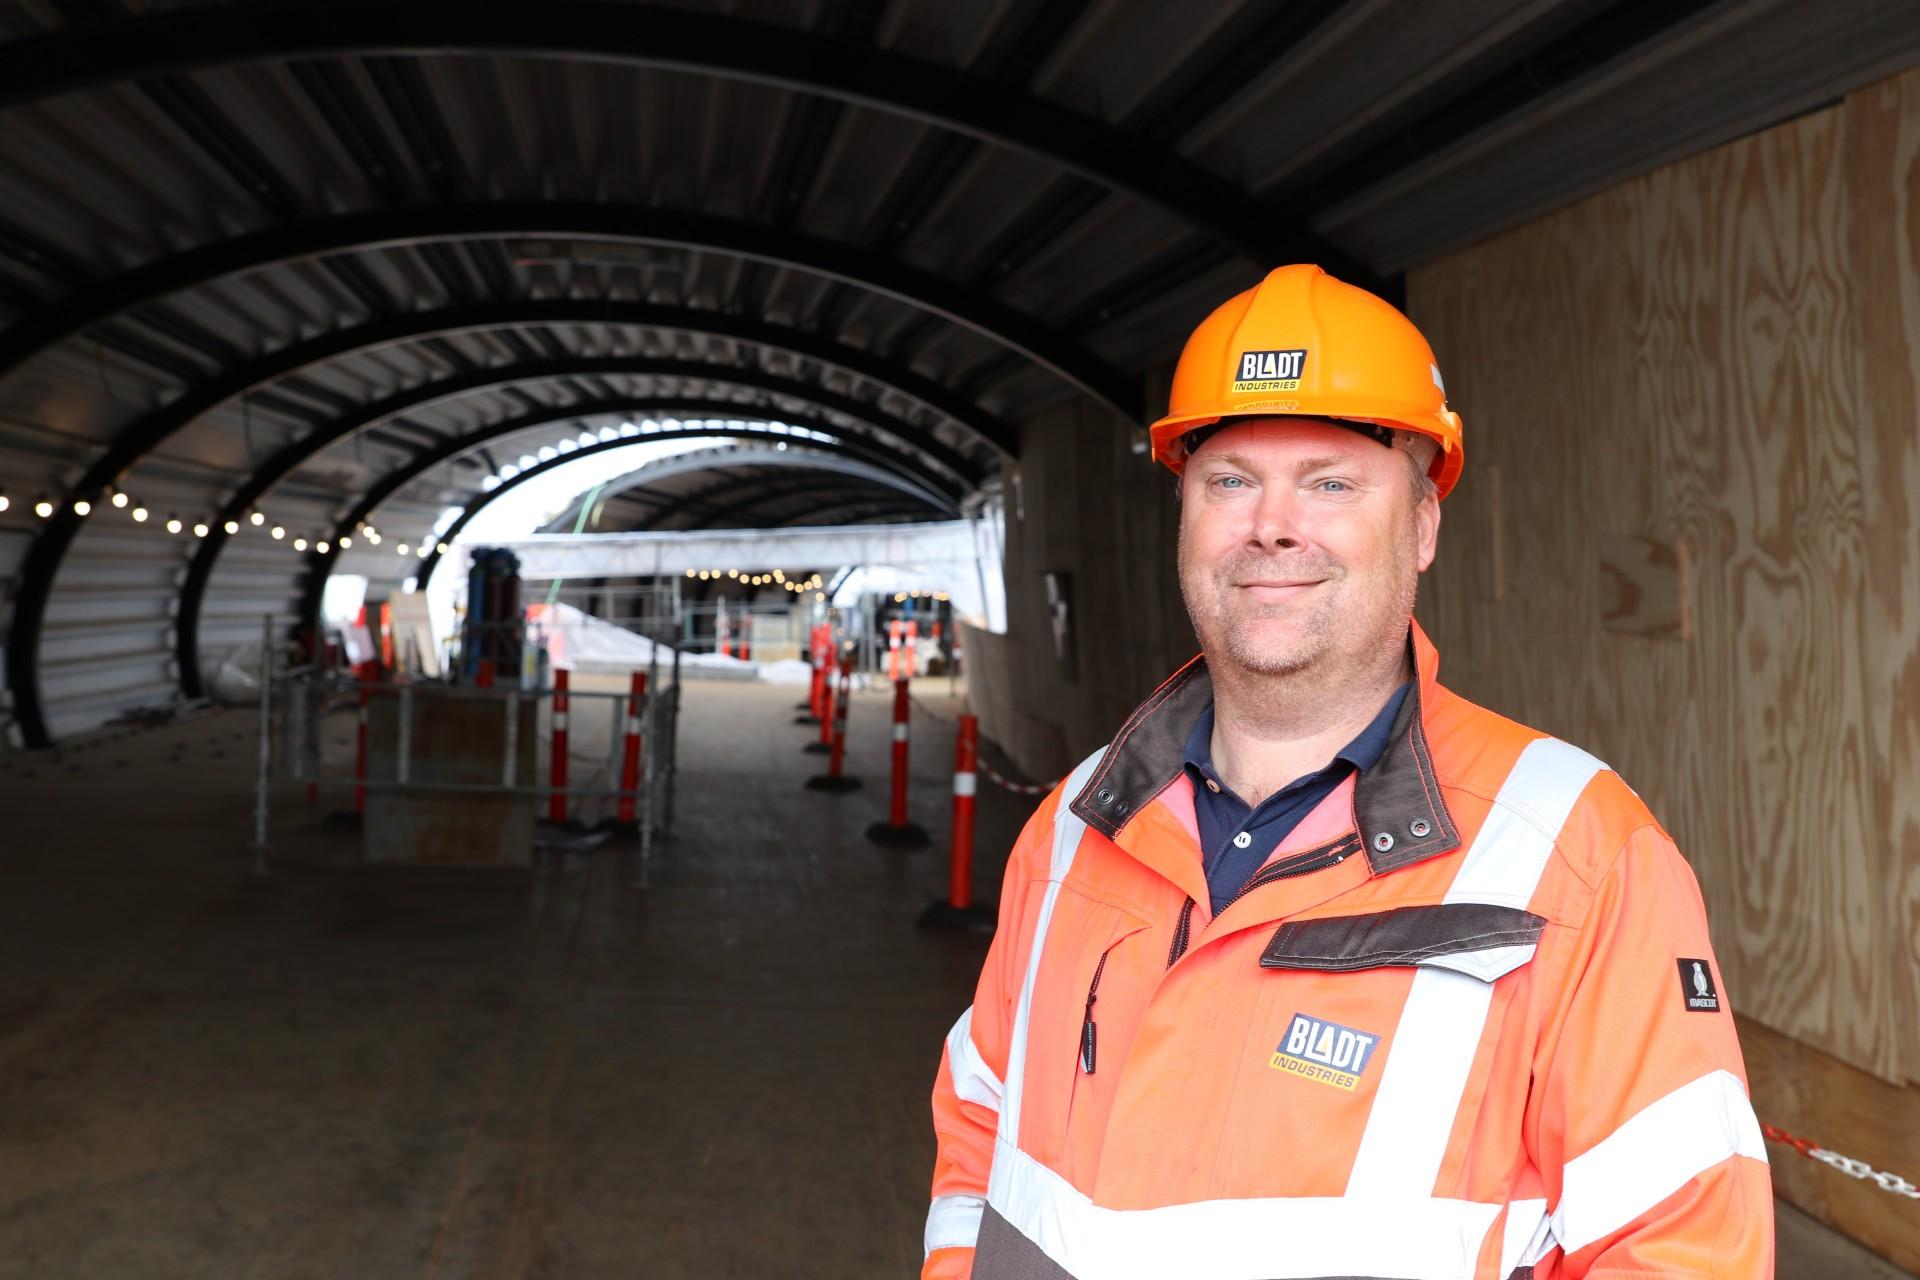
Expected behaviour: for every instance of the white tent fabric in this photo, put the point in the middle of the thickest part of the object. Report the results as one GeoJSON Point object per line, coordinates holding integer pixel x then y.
{"type": "Point", "coordinates": [945, 551]}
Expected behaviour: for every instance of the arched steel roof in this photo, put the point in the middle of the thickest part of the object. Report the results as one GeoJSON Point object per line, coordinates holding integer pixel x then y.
{"type": "Point", "coordinates": [226, 228]}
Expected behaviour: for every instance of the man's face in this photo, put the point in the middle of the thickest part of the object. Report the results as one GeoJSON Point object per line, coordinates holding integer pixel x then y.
{"type": "Point", "coordinates": [1301, 546]}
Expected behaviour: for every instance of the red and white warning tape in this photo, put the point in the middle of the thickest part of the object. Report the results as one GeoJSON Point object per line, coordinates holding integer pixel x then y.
{"type": "Point", "coordinates": [1846, 1164]}
{"type": "Point", "coordinates": [1018, 788]}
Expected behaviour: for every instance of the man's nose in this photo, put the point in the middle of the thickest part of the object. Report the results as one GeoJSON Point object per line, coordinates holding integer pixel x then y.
{"type": "Point", "coordinates": [1276, 519]}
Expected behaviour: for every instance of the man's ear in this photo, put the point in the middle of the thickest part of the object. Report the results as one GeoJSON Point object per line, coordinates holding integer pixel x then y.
{"type": "Point", "coordinates": [1426, 522]}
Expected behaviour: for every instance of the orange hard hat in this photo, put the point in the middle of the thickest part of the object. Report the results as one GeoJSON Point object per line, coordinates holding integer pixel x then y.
{"type": "Point", "coordinates": [1303, 344]}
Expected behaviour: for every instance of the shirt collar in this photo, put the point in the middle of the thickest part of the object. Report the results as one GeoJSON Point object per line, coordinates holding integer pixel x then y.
{"type": "Point", "coordinates": [1362, 753]}
{"type": "Point", "coordinates": [1397, 803]}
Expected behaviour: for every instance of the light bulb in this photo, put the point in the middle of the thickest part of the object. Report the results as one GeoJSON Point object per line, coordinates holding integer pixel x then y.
{"type": "Point", "coordinates": [43, 508]}
{"type": "Point", "coordinates": [279, 532]}
{"type": "Point", "coordinates": [345, 542]}
{"type": "Point", "coordinates": [173, 524]}
{"type": "Point", "coordinates": [82, 507]}
{"type": "Point", "coordinates": [231, 526]}
{"type": "Point", "coordinates": [139, 515]}
{"type": "Point", "coordinates": [299, 544]}
{"type": "Point", "coordinates": [323, 546]}
{"type": "Point", "coordinates": [401, 549]}
{"type": "Point", "coordinates": [256, 519]}
{"type": "Point", "coordinates": [119, 498]}
{"type": "Point", "coordinates": [200, 529]}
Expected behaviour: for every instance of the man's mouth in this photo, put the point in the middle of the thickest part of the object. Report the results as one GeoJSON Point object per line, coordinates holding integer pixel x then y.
{"type": "Point", "coordinates": [1273, 590]}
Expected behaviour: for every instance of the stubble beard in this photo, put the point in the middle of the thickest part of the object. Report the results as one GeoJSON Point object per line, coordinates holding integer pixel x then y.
{"type": "Point", "coordinates": [1229, 633]}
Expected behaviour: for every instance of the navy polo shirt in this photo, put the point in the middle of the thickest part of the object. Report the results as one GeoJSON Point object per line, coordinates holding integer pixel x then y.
{"type": "Point", "coordinates": [1236, 840]}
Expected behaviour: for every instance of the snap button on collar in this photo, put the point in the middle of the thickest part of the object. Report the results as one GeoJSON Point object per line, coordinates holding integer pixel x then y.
{"type": "Point", "coordinates": [1419, 827]}
{"type": "Point", "coordinates": [1383, 842]}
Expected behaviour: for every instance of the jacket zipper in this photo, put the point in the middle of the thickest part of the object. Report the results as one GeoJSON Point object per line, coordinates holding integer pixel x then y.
{"type": "Point", "coordinates": [1302, 864]}
{"type": "Point", "coordinates": [1087, 1029]}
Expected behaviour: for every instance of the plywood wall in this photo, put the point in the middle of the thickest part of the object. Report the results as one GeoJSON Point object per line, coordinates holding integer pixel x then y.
{"type": "Point", "coordinates": [1721, 357]}
{"type": "Point", "coordinates": [1081, 501]}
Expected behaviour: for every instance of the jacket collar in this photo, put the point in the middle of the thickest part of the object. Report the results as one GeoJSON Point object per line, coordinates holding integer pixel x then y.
{"type": "Point", "coordinates": [1401, 815]}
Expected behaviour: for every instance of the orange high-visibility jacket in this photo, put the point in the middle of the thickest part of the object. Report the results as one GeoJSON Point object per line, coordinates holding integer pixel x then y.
{"type": "Point", "coordinates": [1465, 1024]}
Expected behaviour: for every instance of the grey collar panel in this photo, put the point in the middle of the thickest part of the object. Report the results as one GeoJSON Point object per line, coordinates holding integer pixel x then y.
{"type": "Point", "coordinates": [1401, 816]}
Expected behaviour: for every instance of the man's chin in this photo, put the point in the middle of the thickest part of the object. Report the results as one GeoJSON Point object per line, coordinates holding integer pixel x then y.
{"type": "Point", "coordinates": [1270, 655]}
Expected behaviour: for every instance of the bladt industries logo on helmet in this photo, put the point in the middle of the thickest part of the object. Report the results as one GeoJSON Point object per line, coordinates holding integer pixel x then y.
{"type": "Point", "coordinates": [1269, 371]}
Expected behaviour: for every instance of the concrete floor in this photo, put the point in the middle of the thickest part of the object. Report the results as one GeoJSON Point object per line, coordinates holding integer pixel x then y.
{"type": "Point", "coordinates": [332, 1070]}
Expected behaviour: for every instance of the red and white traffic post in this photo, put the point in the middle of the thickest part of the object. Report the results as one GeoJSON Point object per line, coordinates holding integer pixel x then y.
{"type": "Point", "coordinates": [958, 911]}
{"type": "Point", "coordinates": [835, 778]}
{"type": "Point", "coordinates": [810, 709]}
{"type": "Point", "coordinates": [825, 742]}
{"type": "Point", "coordinates": [896, 831]}
{"type": "Point", "coordinates": [628, 809]}
{"type": "Point", "coordinates": [557, 802]}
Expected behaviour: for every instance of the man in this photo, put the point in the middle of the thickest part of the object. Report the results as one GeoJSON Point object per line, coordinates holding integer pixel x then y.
{"type": "Point", "coordinates": [1318, 969]}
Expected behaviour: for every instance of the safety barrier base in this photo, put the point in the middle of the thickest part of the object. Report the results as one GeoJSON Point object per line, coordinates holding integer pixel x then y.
{"type": "Point", "coordinates": [816, 748]}
{"type": "Point", "coordinates": [981, 917]}
{"type": "Point", "coordinates": [908, 836]}
{"type": "Point", "coordinates": [828, 782]}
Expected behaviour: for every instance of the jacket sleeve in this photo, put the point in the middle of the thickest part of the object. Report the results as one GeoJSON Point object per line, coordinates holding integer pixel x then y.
{"type": "Point", "coordinates": [970, 1083]}
{"type": "Point", "coordinates": [1647, 1144]}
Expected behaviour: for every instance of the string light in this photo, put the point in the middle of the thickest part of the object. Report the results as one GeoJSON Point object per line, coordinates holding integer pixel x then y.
{"type": "Point", "coordinates": [119, 499]}
{"type": "Point", "coordinates": [440, 547]}
{"type": "Point", "coordinates": [345, 542]}
{"type": "Point", "coordinates": [402, 548]}
{"type": "Point", "coordinates": [323, 546]}
{"type": "Point", "coordinates": [256, 519]}
{"type": "Point", "coordinates": [231, 526]}
{"type": "Point", "coordinates": [299, 544]}
{"type": "Point", "coordinates": [173, 523]}
{"type": "Point", "coordinates": [139, 515]}
{"type": "Point", "coordinates": [5, 501]}
{"type": "Point", "coordinates": [42, 507]}
{"type": "Point", "coordinates": [279, 532]}
{"type": "Point", "coordinates": [83, 508]}
{"type": "Point", "coordinates": [200, 529]}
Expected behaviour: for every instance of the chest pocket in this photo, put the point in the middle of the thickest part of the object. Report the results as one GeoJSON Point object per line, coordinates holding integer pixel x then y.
{"type": "Point", "coordinates": [1082, 1013]}
{"type": "Point", "coordinates": [1478, 939]}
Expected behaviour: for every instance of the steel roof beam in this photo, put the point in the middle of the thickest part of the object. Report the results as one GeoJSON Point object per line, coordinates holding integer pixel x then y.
{"type": "Point", "coordinates": [390, 228]}
{"type": "Point", "coordinates": [41, 565]}
{"type": "Point", "coordinates": [166, 43]}
{"type": "Point", "coordinates": [1608, 35]}
{"type": "Point", "coordinates": [776, 490]}
{"type": "Point", "coordinates": [859, 510]}
{"type": "Point", "coordinates": [1011, 58]}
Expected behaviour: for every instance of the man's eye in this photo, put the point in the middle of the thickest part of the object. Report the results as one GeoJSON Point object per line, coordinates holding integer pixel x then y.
{"type": "Point", "coordinates": [1332, 486]}
{"type": "Point", "coordinates": [1228, 482]}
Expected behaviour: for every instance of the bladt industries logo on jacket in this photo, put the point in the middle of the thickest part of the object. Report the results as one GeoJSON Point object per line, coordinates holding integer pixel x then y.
{"type": "Point", "coordinates": [1324, 1052]}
